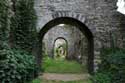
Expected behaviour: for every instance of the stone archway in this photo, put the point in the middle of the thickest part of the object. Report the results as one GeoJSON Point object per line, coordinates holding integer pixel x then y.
{"type": "Point", "coordinates": [73, 19]}
{"type": "Point", "coordinates": [60, 48]}
{"type": "Point", "coordinates": [44, 20]}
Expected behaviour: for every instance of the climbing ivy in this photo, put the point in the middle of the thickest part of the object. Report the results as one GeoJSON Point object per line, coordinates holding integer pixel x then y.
{"type": "Point", "coordinates": [23, 24]}
{"type": "Point", "coordinates": [4, 19]}
{"type": "Point", "coordinates": [16, 66]}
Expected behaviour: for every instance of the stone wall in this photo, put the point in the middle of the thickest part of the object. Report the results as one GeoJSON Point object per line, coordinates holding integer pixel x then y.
{"type": "Point", "coordinates": [100, 16]}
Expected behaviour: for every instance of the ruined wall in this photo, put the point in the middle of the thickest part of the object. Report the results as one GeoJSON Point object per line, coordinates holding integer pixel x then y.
{"type": "Point", "coordinates": [101, 17]}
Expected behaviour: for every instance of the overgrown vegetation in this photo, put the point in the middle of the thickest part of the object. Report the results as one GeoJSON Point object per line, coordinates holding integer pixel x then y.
{"type": "Point", "coordinates": [37, 80]}
{"type": "Point", "coordinates": [23, 26]}
{"type": "Point", "coordinates": [101, 77]}
{"type": "Point", "coordinates": [62, 66]}
{"type": "Point", "coordinates": [4, 19]}
{"type": "Point", "coordinates": [16, 66]}
{"type": "Point", "coordinates": [112, 68]}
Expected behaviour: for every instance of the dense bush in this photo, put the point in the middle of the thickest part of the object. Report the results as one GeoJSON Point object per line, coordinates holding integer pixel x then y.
{"type": "Point", "coordinates": [4, 19]}
{"type": "Point", "coordinates": [113, 62]}
{"type": "Point", "coordinates": [23, 25]}
{"type": "Point", "coordinates": [16, 66]}
{"type": "Point", "coordinates": [101, 78]}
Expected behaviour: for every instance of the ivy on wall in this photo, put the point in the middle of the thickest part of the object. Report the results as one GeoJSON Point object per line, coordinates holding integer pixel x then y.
{"type": "Point", "coordinates": [16, 65]}
{"type": "Point", "coordinates": [23, 33]}
{"type": "Point", "coordinates": [4, 19]}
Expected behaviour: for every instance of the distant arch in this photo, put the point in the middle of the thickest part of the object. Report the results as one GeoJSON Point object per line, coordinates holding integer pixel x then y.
{"type": "Point", "coordinates": [64, 42]}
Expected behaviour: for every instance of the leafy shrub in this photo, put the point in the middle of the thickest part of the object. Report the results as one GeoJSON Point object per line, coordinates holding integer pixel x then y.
{"type": "Point", "coordinates": [113, 61]}
{"type": "Point", "coordinates": [16, 66]}
{"type": "Point", "coordinates": [101, 78]}
{"type": "Point", "coordinates": [23, 25]}
{"type": "Point", "coordinates": [4, 18]}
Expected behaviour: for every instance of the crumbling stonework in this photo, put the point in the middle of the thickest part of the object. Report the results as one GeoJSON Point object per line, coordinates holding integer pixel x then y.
{"type": "Point", "coordinates": [100, 16]}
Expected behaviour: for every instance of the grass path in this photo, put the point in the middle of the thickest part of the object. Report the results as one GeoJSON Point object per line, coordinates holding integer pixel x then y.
{"type": "Point", "coordinates": [62, 71]}
{"type": "Point", "coordinates": [62, 66]}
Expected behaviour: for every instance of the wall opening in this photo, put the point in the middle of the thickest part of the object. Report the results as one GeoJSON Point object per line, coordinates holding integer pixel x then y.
{"type": "Point", "coordinates": [60, 48]}
{"type": "Point", "coordinates": [84, 29]}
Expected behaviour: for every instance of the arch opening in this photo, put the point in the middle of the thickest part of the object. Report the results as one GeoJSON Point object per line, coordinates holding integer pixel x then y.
{"type": "Point", "coordinates": [60, 48]}
{"type": "Point", "coordinates": [81, 26]}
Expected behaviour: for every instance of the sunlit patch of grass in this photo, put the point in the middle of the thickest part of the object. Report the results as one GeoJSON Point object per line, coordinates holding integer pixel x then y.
{"type": "Point", "coordinates": [37, 80]}
{"type": "Point", "coordinates": [62, 66]}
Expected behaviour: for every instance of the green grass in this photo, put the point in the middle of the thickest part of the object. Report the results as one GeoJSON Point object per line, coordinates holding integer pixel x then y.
{"type": "Point", "coordinates": [62, 66]}
{"type": "Point", "coordinates": [36, 80]}
{"type": "Point", "coordinates": [46, 81]}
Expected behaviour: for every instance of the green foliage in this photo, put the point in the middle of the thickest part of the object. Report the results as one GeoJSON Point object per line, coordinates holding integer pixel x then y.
{"type": "Point", "coordinates": [101, 78]}
{"type": "Point", "coordinates": [23, 24]}
{"type": "Point", "coordinates": [113, 61]}
{"type": "Point", "coordinates": [36, 80]}
{"type": "Point", "coordinates": [62, 66]}
{"type": "Point", "coordinates": [4, 17]}
{"type": "Point", "coordinates": [16, 66]}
